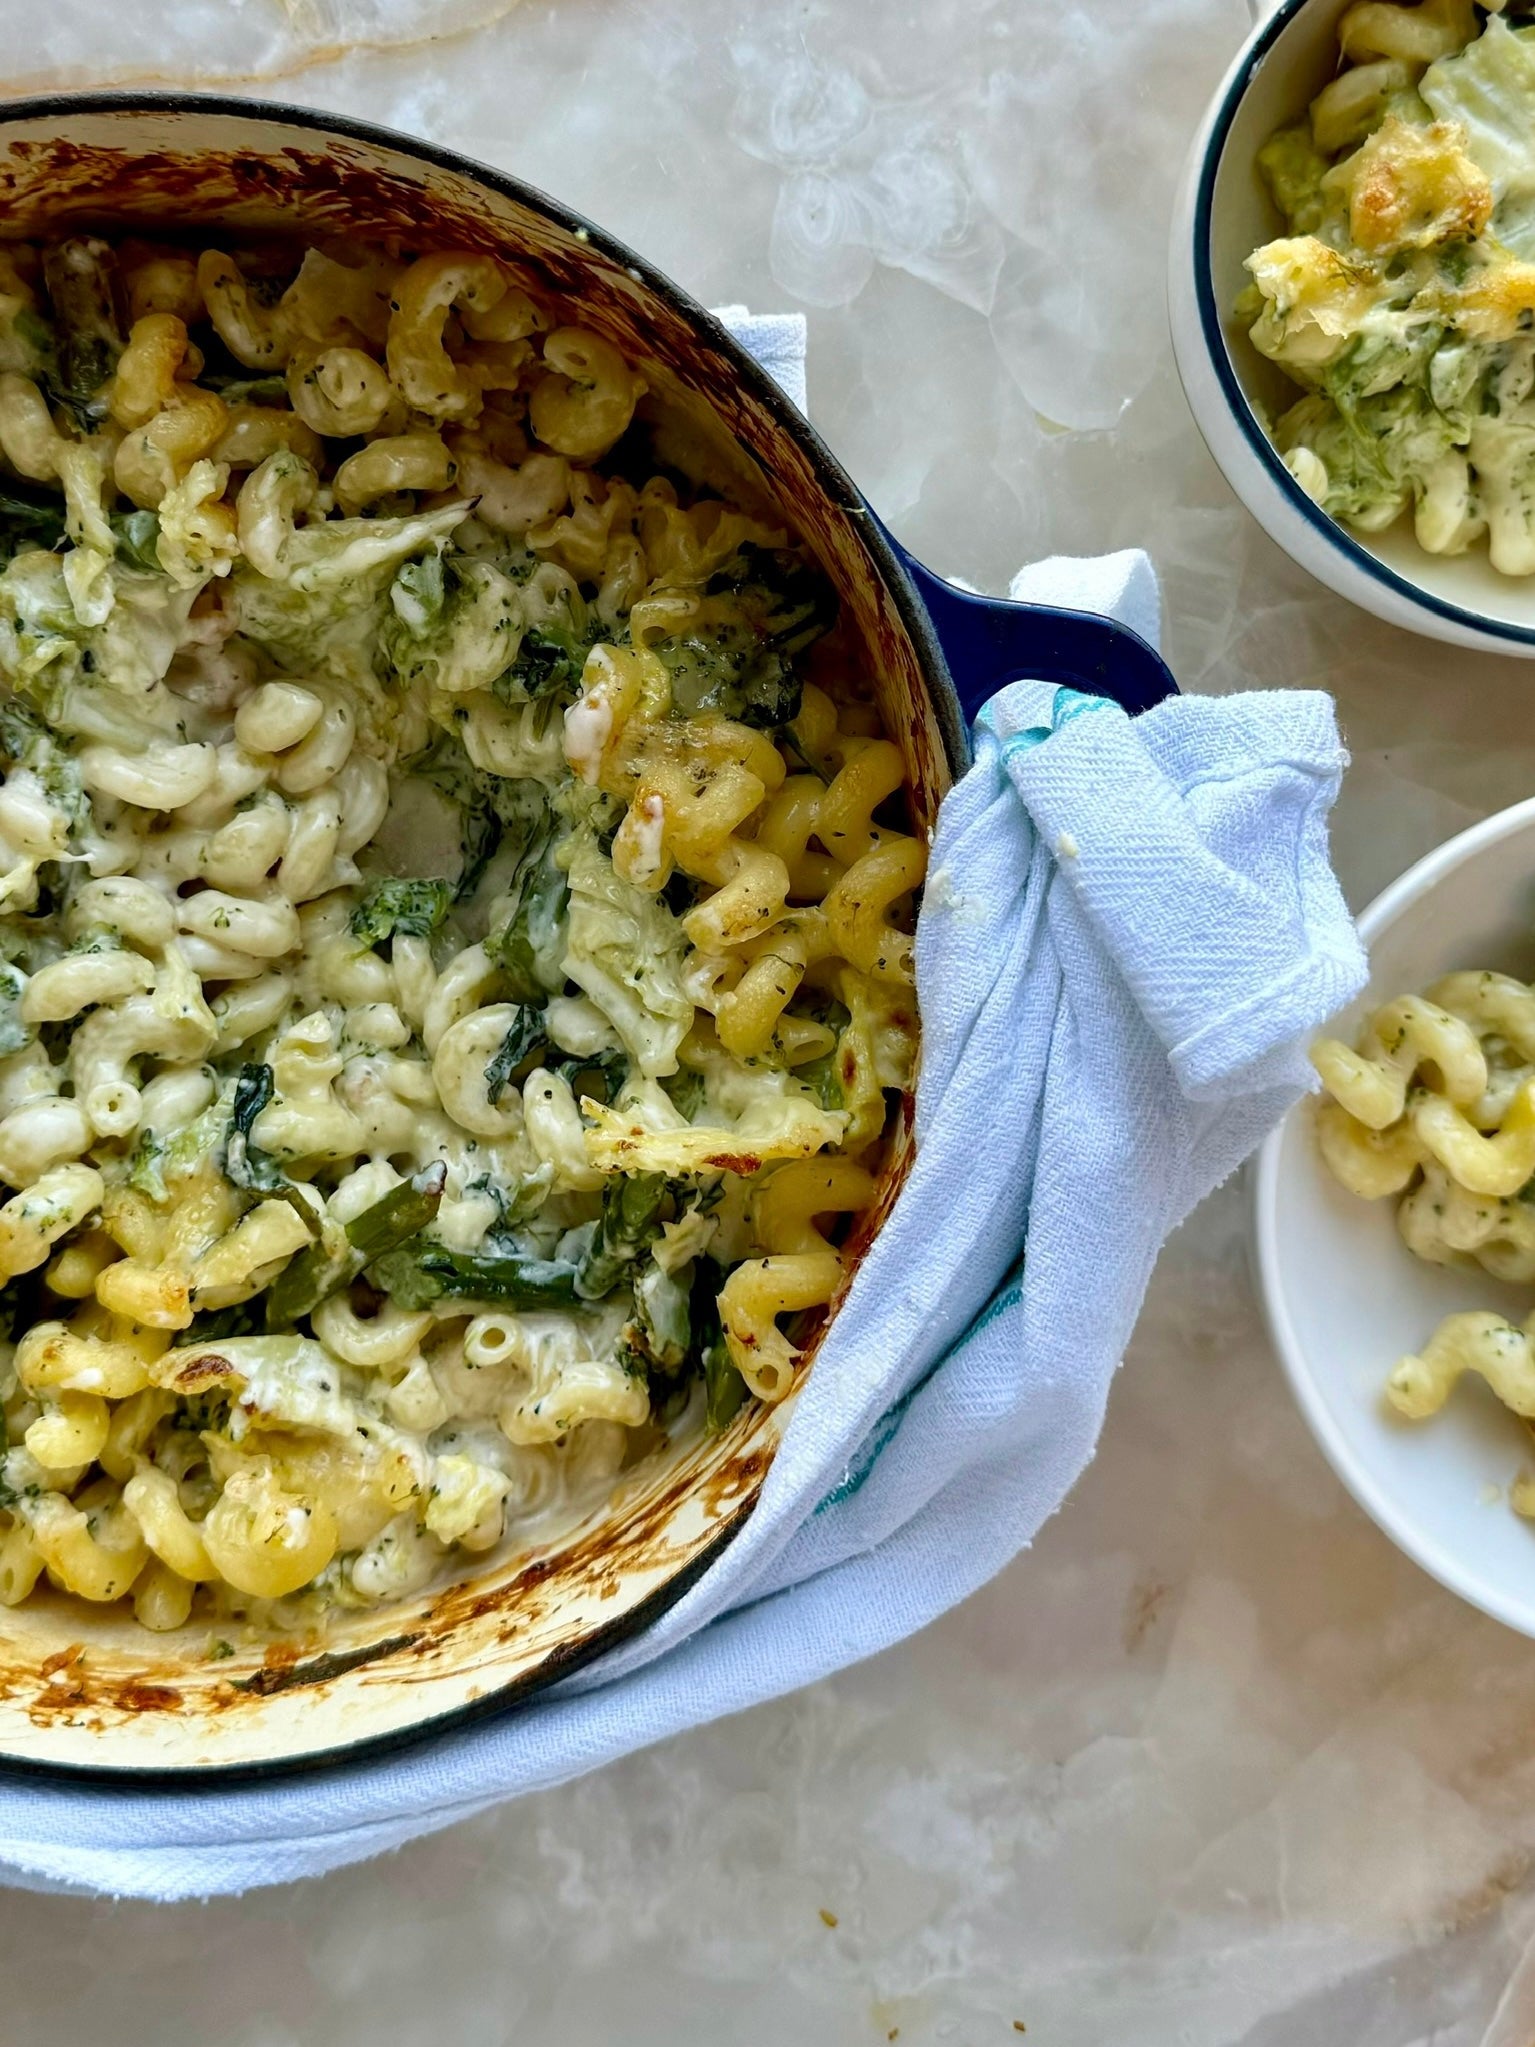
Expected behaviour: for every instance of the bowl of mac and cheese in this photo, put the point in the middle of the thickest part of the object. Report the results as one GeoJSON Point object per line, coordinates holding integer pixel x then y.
{"type": "Point", "coordinates": [1351, 283]}
{"type": "Point", "coordinates": [1396, 1229]}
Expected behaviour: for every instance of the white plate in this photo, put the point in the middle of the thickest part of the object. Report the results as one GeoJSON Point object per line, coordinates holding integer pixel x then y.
{"type": "Point", "coordinates": [1344, 1296]}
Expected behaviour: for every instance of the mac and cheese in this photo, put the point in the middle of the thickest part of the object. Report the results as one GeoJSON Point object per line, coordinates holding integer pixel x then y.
{"type": "Point", "coordinates": [455, 924]}
{"type": "Point", "coordinates": [1436, 1106]}
{"type": "Point", "coordinates": [1400, 299]}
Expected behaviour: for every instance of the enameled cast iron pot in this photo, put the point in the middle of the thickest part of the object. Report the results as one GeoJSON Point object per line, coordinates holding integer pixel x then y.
{"type": "Point", "coordinates": [86, 1692]}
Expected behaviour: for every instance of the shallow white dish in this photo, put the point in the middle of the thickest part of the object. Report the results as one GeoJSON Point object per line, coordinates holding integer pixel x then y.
{"type": "Point", "coordinates": [1223, 212]}
{"type": "Point", "coordinates": [1345, 1298]}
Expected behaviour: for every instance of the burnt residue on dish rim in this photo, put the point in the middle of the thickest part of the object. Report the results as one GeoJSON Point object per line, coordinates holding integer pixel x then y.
{"type": "Point", "coordinates": [157, 1711]}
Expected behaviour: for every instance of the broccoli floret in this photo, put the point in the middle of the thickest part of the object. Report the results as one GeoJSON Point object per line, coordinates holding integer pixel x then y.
{"type": "Point", "coordinates": [743, 650]}
{"type": "Point", "coordinates": [453, 622]}
{"type": "Point", "coordinates": [560, 633]}
{"type": "Point", "coordinates": [546, 663]}
{"type": "Point", "coordinates": [401, 909]}
{"type": "Point", "coordinates": [25, 738]}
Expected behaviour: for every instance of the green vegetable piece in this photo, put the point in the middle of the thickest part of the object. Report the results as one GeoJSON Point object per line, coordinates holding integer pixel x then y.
{"type": "Point", "coordinates": [400, 1214]}
{"type": "Point", "coordinates": [546, 665]}
{"type": "Point", "coordinates": [687, 1091]}
{"type": "Point", "coordinates": [417, 593]}
{"type": "Point", "coordinates": [1293, 167]}
{"type": "Point", "coordinates": [218, 1323]}
{"type": "Point", "coordinates": [530, 947]}
{"type": "Point", "coordinates": [1374, 363]}
{"type": "Point", "coordinates": [155, 1161]}
{"type": "Point", "coordinates": [401, 909]}
{"type": "Point", "coordinates": [80, 274]}
{"type": "Point", "coordinates": [724, 1389]}
{"type": "Point", "coordinates": [421, 1272]}
{"type": "Point", "coordinates": [138, 540]}
{"type": "Point", "coordinates": [743, 651]}
{"type": "Point", "coordinates": [247, 390]}
{"type": "Point", "coordinates": [558, 635]}
{"type": "Point", "coordinates": [525, 1036]}
{"type": "Point", "coordinates": [1374, 448]}
{"type": "Point", "coordinates": [29, 514]}
{"type": "Point", "coordinates": [244, 1165]}
{"type": "Point", "coordinates": [253, 1090]}
{"type": "Point", "coordinates": [384, 1225]}
{"type": "Point", "coordinates": [629, 1225]}
{"type": "Point", "coordinates": [453, 623]}
{"type": "Point", "coordinates": [661, 1303]}
{"type": "Point", "coordinates": [610, 1068]}
{"type": "Point", "coordinates": [145, 1175]}
{"type": "Point", "coordinates": [823, 1078]}
{"type": "Point", "coordinates": [491, 807]}
{"type": "Point", "coordinates": [22, 731]}
{"type": "Point", "coordinates": [13, 1032]}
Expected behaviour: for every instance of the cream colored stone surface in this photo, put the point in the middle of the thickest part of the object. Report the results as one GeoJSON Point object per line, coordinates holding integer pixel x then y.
{"type": "Point", "coordinates": [1213, 1765]}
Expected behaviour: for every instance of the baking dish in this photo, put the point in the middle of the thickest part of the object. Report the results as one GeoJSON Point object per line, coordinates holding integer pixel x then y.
{"type": "Point", "coordinates": [91, 1692]}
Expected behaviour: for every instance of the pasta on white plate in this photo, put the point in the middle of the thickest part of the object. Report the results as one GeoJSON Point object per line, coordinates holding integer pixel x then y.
{"type": "Point", "coordinates": [455, 929]}
{"type": "Point", "coordinates": [1435, 1106]}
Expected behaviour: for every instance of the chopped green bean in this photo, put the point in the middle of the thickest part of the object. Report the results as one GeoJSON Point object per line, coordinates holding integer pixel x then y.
{"type": "Point", "coordinates": [318, 1273]}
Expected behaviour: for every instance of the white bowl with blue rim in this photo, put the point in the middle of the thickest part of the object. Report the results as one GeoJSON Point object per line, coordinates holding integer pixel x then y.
{"type": "Point", "coordinates": [1345, 1298]}
{"type": "Point", "coordinates": [1224, 212]}
{"type": "Point", "coordinates": [156, 1708]}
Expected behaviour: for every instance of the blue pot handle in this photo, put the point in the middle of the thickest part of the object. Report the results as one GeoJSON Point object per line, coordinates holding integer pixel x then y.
{"type": "Point", "coordinates": [990, 641]}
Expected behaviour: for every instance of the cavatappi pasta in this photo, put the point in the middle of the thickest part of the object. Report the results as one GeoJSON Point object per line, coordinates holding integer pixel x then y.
{"type": "Point", "coordinates": [1435, 1106]}
{"type": "Point", "coordinates": [454, 928]}
{"type": "Point", "coordinates": [1401, 298]}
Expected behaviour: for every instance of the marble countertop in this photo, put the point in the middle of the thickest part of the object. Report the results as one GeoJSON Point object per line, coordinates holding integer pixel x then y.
{"type": "Point", "coordinates": [1213, 1764]}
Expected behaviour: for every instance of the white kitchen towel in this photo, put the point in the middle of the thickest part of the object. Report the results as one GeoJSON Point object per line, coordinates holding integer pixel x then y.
{"type": "Point", "coordinates": [777, 341]}
{"type": "Point", "coordinates": [1129, 931]}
